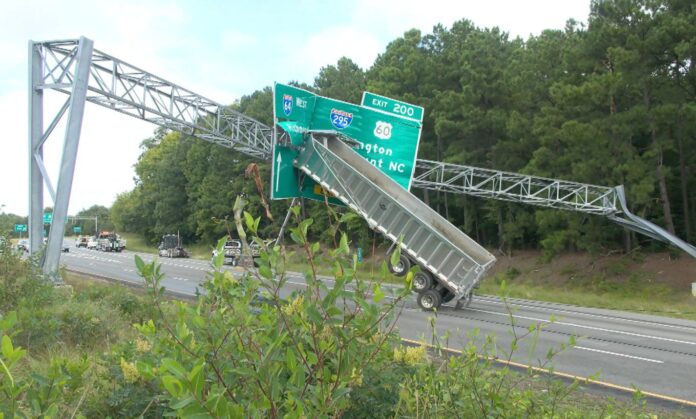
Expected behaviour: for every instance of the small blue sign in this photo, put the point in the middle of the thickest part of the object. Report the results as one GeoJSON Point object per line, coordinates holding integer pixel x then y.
{"type": "Point", "coordinates": [287, 105]}
{"type": "Point", "coordinates": [341, 119]}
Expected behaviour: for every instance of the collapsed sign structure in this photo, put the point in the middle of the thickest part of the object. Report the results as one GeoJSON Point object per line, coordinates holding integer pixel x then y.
{"type": "Point", "coordinates": [386, 132]}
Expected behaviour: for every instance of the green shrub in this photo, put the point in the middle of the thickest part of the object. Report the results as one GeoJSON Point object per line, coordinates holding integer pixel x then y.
{"type": "Point", "coordinates": [235, 354]}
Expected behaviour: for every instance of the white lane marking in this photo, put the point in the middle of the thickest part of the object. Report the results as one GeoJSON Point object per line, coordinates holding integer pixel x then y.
{"type": "Point", "coordinates": [600, 329]}
{"type": "Point", "coordinates": [583, 314]}
{"type": "Point", "coordinates": [619, 354]}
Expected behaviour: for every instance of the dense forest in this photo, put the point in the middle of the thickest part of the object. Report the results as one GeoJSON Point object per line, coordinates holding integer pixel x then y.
{"type": "Point", "coordinates": [610, 102]}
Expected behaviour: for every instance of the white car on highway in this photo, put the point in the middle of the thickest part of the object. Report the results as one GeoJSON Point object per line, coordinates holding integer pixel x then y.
{"type": "Point", "coordinates": [92, 243]}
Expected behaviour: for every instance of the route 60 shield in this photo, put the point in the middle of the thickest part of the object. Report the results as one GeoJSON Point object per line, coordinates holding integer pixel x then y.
{"type": "Point", "coordinates": [383, 130]}
{"type": "Point", "coordinates": [287, 105]}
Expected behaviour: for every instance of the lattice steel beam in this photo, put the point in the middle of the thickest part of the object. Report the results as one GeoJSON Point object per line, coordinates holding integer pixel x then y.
{"type": "Point", "coordinates": [515, 187]}
{"type": "Point", "coordinates": [120, 86]}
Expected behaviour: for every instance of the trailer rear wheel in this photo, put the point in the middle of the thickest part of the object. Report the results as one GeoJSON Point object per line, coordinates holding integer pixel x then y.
{"type": "Point", "coordinates": [422, 281]}
{"type": "Point", "coordinates": [401, 268]}
{"type": "Point", "coordinates": [429, 300]}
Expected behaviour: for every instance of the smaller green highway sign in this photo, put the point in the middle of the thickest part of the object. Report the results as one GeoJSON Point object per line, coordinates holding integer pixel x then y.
{"type": "Point", "coordinates": [20, 228]}
{"type": "Point", "coordinates": [77, 229]}
{"type": "Point", "coordinates": [48, 217]}
{"type": "Point", "coordinates": [392, 106]}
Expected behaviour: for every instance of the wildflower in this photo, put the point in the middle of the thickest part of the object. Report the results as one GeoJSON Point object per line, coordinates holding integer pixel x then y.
{"type": "Point", "coordinates": [142, 345]}
{"type": "Point", "coordinates": [294, 306]}
{"type": "Point", "coordinates": [398, 355]}
{"type": "Point", "coordinates": [410, 355]}
{"type": "Point", "coordinates": [95, 320]}
{"type": "Point", "coordinates": [356, 377]}
{"type": "Point", "coordinates": [415, 355]}
{"type": "Point", "coordinates": [326, 334]}
{"type": "Point", "coordinates": [130, 372]}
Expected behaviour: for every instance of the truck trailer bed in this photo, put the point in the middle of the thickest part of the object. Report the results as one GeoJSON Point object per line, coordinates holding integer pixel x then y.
{"type": "Point", "coordinates": [456, 261]}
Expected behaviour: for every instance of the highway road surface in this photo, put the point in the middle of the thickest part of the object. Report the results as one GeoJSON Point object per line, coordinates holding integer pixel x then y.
{"type": "Point", "coordinates": [655, 354]}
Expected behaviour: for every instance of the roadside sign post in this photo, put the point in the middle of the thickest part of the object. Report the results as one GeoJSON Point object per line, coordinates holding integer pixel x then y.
{"type": "Point", "coordinates": [20, 228]}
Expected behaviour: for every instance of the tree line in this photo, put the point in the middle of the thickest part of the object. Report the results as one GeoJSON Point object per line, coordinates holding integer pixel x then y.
{"type": "Point", "coordinates": [610, 102]}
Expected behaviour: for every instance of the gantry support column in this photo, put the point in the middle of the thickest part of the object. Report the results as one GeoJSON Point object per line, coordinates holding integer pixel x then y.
{"type": "Point", "coordinates": [36, 182]}
{"type": "Point", "coordinates": [75, 105]}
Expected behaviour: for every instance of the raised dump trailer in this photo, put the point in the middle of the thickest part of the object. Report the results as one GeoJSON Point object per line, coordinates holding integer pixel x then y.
{"type": "Point", "coordinates": [451, 263]}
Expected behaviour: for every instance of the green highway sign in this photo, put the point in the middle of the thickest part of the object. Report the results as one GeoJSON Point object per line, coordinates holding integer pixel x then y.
{"type": "Point", "coordinates": [77, 229]}
{"type": "Point", "coordinates": [392, 106]}
{"type": "Point", "coordinates": [20, 228]}
{"type": "Point", "coordinates": [388, 141]}
{"type": "Point", "coordinates": [48, 217]}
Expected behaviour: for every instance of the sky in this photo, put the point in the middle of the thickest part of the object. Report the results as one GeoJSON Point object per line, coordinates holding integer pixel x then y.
{"type": "Point", "coordinates": [219, 49]}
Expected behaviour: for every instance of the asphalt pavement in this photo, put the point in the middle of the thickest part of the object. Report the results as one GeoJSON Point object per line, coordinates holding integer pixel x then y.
{"type": "Point", "coordinates": [655, 354]}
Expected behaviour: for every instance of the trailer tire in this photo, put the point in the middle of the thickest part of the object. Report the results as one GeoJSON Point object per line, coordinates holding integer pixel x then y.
{"type": "Point", "coordinates": [422, 281]}
{"type": "Point", "coordinates": [429, 300]}
{"type": "Point", "coordinates": [401, 269]}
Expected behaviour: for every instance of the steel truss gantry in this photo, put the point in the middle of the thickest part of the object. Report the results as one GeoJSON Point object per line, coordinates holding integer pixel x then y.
{"type": "Point", "coordinates": [515, 187]}
{"type": "Point", "coordinates": [89, 75]}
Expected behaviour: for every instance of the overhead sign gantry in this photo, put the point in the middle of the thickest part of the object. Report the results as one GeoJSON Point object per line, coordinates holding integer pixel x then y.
{"type": "Point", "coordinates": [89, 75]}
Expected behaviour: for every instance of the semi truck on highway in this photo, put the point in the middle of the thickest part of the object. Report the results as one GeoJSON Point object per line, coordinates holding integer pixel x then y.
{"type": "Point", "coordinates": [170, 246]}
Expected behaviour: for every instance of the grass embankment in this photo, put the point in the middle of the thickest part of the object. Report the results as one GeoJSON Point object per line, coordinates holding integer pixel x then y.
{"type": "Point", "coordinates": [656, 284]}
{"type": "Point", "coordinates": [651, 284]}
{"type": "Point", "coordinates": [137, 243]}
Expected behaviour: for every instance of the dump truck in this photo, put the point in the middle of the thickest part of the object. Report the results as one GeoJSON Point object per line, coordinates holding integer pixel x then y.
{"type": "Point", "coordinates": [451, 263]}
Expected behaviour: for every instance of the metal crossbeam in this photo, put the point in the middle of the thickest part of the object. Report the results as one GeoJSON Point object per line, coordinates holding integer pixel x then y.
{"type": "Point", "coordinates": [120, 86]}
{"type": "Point", "coordinates": [515, 187]}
